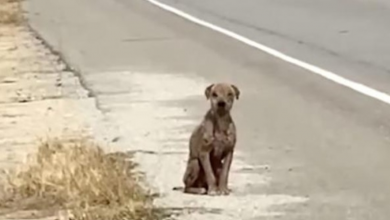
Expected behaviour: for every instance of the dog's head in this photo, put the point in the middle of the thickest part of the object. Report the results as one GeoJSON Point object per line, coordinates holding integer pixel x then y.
{"type": "Point", "coordinates": [221, 96]}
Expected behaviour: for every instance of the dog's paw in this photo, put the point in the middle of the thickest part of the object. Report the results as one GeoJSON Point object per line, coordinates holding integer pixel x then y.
{"type": "Point", "coordinates": [212, 192]}
{"type": "Point", "coordinates": [223, 191]}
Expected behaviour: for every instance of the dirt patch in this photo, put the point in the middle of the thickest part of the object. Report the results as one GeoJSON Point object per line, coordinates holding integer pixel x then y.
{"type": "Point", "coordinates": [10, 12]}
{"type": "Point", "coordinates": [79, 177]}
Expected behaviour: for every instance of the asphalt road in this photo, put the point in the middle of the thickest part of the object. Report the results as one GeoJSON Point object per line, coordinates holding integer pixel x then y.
{"type": "Point", "coordinates": [321, 140]}
{"type": "Point", "coordinates": [349, 37]}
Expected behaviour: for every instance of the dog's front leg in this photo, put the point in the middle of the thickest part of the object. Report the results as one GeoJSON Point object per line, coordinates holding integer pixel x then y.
{"type": "Point", "coordinates": [206, 148]}
{"type": "Point", "coordinates": [223, 181]}
{"type": "Point", "coordinates": [230, 142]}
{"type": "Point", "coordinates": [210, 177]}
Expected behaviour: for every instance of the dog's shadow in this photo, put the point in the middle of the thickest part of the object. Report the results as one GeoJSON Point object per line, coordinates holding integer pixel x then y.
{"type": "Point", "coordinates": [178, 211]}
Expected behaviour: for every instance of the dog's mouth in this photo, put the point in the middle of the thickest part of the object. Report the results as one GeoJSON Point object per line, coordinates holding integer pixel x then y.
{"type": "Point", "coordinates": [221, 107]}
{"type": "Point", "coordinates": [222, 110]}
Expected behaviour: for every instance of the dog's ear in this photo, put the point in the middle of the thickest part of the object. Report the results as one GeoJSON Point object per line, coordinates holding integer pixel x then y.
{"type": "Point", "coordinates": [207, 92]}
{"type": "Point", "coordinates": [236, 91]}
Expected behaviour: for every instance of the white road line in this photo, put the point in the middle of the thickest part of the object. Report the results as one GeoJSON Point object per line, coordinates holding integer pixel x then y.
{"type": "Point", "coordinates": [317, 70]}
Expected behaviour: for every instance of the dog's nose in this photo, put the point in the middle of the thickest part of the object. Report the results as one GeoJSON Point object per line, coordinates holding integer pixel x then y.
{"type": "Point", "coordinates": [221, 104]}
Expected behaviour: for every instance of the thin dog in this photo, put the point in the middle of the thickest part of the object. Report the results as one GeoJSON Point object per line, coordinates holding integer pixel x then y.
{"type": "Point", "coordinates": [212, 144]}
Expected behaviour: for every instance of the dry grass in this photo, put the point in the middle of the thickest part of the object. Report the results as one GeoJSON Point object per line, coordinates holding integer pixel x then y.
{"type": "Point", "coordinates": [10, 12]}
{"type": "Point", "coordinates": [78, 176]}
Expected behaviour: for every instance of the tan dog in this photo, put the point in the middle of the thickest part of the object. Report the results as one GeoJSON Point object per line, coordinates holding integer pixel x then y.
{"type": "Point", "coordinates": [212, 144]}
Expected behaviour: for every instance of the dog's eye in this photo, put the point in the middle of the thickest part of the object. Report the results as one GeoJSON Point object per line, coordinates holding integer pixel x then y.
{"type": "Point", "coordinates": [214, 95]}
{"type": "Point", "coordinates": [230, 94]}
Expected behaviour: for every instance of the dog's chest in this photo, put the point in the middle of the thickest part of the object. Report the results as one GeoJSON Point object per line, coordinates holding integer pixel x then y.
{"type": "Point", "coordinates": [220, 144]}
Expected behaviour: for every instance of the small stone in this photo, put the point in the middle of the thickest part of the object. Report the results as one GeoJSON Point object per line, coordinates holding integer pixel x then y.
{"type": "Point", "coordinates": [23, 100]}
{"type": "Point", "coordinates": [13, 48]}
{"type": "Point", "coordinates": [116, 139]}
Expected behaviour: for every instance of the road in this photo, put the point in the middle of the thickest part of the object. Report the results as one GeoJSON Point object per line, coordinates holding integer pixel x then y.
{"type": "Point", "coordinates": [347, 37]}
{"type": "Point", "coordinates": [320, 141]}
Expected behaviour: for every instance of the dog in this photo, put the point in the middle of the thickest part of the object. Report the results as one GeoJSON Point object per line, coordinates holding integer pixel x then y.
{"type": "Point", "coordinates": [212, 144]}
